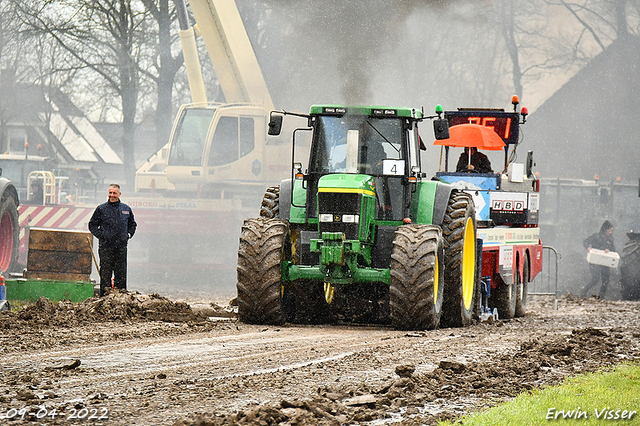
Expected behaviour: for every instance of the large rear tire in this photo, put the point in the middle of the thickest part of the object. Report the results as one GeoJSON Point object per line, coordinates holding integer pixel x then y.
{"type": "Point", "coordinates": [417, 262]}
{"type": "Point", "coordinates": [459, 232]}
{"type": "Point", "coordinates": [262, 298]}
{"type": "Point", "coordinates": [9, 235]}
{"type": "Point", "coordinates": [522, 289]}
{"type": "Point", "coordinates": [270, 206]}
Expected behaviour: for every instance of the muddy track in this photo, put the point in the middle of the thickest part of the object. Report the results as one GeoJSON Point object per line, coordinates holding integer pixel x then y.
{"type": "Point", "coordinates": [192, 367]}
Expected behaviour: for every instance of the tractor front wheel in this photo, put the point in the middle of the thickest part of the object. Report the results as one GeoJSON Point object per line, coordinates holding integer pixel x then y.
{"type": "Point", "coordinates": [262, 296]}
{"type": "Point", "coordinates": [415, 293]}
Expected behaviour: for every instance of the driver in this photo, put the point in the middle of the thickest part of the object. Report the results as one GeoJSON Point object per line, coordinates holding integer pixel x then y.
{"type": "Point", "coordinates": [479, 162]}
{"type": "Point", "coordinates": [374, 154]}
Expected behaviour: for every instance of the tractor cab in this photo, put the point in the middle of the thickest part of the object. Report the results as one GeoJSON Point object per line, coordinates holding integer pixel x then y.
{"type": "Point", "coordinates": [358, 151]}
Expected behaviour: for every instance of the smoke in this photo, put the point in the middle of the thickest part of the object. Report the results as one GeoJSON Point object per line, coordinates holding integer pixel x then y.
{"type": "Point", "coordinates": [357, 52]}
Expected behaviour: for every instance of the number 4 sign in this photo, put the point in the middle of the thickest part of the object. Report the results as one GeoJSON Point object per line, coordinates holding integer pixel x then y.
{"type": "Point", "coordinates": [393, 167]}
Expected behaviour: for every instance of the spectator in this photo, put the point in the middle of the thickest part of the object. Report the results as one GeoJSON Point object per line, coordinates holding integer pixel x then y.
{"type": "Point", "coordinates": [602, 240]}
{"type": "Point", "coordinates": [113, 225]}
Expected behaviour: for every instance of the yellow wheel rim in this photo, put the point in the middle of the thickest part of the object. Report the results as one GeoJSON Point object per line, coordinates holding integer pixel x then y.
{"type": "Point", "coordinates": [436, 281]}
{"type": "Point", "coordinates": [468, 264]}
{"type": "Point", "coordinates": [328, 292]}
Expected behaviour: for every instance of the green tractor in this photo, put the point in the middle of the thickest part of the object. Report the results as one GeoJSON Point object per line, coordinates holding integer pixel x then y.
{"type": "Point", "coordinates": [361, 235]}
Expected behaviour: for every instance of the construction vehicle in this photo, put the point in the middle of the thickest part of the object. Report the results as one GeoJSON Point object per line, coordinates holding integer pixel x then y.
{"type": "Point", "coordinates": [363, 235]}
{"type": "Point", "coordinates": [191, 196]}
{"type": "Point", "coordinates": [216, 150]}
{"type": "Point", "coordinates": [212, 173]}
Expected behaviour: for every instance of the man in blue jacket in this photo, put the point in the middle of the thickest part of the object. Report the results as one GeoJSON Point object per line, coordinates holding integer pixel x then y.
{"type": "Point", "coordinates": [113, 224]}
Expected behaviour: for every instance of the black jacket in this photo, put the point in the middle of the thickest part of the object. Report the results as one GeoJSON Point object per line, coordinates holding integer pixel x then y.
{"type": "Point", "coordinates": [599, 241]}
{"type": "Point", "coordinates": [479, 161]}
{"type": "Point", "coordinates": [113, 224]}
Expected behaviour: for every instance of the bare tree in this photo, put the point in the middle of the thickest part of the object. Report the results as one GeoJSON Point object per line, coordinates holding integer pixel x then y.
{"type": "Point", "coordinates": [165, 64]}
{"type": "Point", "coordinates": [104, 37]}
{"type": "Point", "coordinates": [11, 42]}
{"type": "Point", "coordinates": [602, 20]}
{"type": "Point", "coordinates": [508, 28]}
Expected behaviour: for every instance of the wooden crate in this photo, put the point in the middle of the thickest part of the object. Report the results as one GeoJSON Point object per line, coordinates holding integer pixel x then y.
{"type": "Point", "coordinates": [56, 254]}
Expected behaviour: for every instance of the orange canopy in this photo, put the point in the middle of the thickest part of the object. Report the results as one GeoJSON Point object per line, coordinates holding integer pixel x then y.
{"type": "Point", "coordinates": [472, 135]}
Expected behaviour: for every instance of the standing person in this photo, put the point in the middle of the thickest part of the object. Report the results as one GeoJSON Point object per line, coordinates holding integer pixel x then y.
{"type": "Point", "coordinates": [602, 240]}
{"type": "Point", "coordinates": [37, 195]}
{"type": "Point", "coordinates": [113, 224]}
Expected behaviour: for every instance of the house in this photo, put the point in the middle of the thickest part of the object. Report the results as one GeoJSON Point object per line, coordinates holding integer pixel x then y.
{"type": "Point", "coordinates": [41, 129]}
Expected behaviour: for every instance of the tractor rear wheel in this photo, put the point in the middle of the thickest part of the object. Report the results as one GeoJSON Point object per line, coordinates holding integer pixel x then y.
{"type": "Point", "coordinates": [9, 235]}
{"type": "Point", "coordinates": [270, 207]}
{"type": "Point", "coordinates": [459, 232]}
{"type": "Point", "coordinates": [417, 262]}
{"type": "Point", "coordinates": [262, 296]}
{"type": "Point", "coordinates": [522, 289]}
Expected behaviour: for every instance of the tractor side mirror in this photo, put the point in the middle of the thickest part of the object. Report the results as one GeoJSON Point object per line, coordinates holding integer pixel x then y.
{"type": "Point", "coordinates": [275, 125]}
{"type": "Point", "coordinates": [441, 128]}
{"type": "Point", "coordinates": [529, 164]}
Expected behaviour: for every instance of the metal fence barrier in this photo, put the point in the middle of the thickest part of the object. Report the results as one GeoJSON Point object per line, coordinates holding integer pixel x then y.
{"type": "Point", "coordinates": [548, 278]}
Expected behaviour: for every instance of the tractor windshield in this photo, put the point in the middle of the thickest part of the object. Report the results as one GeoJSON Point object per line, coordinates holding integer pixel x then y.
{"type": "Point", "coordinates": [358, 144]}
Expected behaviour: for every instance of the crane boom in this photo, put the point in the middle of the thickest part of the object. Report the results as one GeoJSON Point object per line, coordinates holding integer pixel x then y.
{"type": "Point", "coordinates": [190, 51]}
{"type": "Point", "coordinates": [231, 53]}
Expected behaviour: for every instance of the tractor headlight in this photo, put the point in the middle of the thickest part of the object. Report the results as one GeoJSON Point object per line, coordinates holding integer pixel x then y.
{"type": "Point", "coordinates": [350, 218]}
{"type": "Point", "coordinates": [325, 217]}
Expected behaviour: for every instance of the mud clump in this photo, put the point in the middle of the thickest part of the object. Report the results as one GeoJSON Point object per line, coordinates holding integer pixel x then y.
{"type": "Point", "coordinates": [116, 306]}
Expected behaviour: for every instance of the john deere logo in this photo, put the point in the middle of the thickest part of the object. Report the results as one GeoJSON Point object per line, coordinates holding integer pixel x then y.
{"type": "Point", "coordinates": [336, 218]}
{"type": "Point", "coordinates": [256, 167]}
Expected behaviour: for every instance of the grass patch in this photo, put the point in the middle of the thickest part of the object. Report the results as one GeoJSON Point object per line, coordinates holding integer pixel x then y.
{"type": "Point", "coordinates": [588, 399]}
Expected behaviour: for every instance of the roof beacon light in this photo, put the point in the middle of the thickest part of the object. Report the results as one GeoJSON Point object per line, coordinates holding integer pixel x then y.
{"type": "Point", "coordinates": [439, 110]}
{"type": "Point", "coordinates": [515, 100]}
{"type": "Point", "coordinates": [524, 111]}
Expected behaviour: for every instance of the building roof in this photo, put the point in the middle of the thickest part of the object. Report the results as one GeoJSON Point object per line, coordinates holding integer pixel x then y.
{"type": "Point", "coordinates": [68, 130]}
